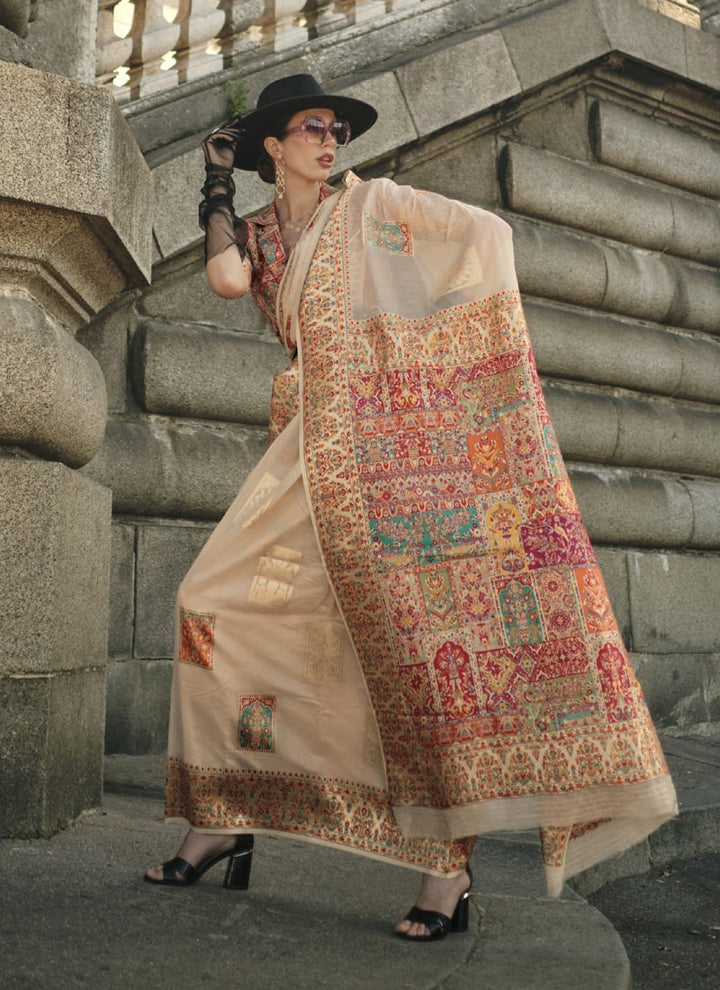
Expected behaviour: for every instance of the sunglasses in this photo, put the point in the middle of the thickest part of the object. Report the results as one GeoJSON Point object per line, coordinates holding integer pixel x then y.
{"type": "Point", "coordinates": [315, 131]}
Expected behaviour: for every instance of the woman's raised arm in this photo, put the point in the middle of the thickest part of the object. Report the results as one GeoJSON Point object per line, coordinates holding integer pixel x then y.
{"type": "Point", "coordinates": [226, 263]}
{"type": "Point", "coordinates": [228, 274]}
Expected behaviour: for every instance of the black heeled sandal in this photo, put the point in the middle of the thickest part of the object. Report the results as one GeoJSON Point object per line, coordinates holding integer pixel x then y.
{"type": "Point", "coordinates": [237, 873]}
{"type": "Point", "coordinates": [437, 924]}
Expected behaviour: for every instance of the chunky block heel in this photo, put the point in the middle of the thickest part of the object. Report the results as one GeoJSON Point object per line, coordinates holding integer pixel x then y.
{"type": "Point", "coordinates": [178, 872]}
{"type": "Point", "coordinates": [461, 916]}
{"type": "Point", "coordinates": [237, 874]}
{"type": "Point", "coordinates": [437, 924]}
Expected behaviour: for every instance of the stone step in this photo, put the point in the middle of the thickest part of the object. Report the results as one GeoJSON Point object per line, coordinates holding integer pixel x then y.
{"type": "Point", "coordinates": [310, 914]}
{"type": "Point", "coordinates": [518, 938]}
{"type": "Point", "coordinates": [694, 762]}
{"type": "Point", "coordinates": [510, 863]}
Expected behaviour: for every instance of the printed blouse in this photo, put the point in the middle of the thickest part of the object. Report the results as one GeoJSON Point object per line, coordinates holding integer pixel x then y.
{"type": "Point", "coordinates": [268, 258]}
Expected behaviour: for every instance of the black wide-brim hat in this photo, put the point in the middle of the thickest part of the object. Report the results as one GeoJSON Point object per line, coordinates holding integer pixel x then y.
{"type": "Point", "coordinates": [286, 97]}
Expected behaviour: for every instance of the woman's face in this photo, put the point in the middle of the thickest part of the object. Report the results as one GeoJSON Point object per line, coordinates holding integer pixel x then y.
{"type": "Point", "coordinates": [305, 160]}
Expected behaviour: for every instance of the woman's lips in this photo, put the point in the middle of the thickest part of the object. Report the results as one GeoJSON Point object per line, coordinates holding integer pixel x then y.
{"type": "Point", "coordinates": [326, 161]}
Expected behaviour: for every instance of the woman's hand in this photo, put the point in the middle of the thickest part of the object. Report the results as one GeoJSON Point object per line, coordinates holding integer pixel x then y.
{"type": "Point", "coordinates": [219, 146]}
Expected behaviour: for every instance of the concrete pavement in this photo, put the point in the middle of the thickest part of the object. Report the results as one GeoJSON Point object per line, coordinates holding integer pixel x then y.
{"type": "Point", "coordinates": [669, 921]}
{"type": "Point", "coordinates": [74, 912]}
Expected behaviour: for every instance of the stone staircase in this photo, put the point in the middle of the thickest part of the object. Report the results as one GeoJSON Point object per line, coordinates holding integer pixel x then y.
{"type": "Point", "coordinates": [520, 941]}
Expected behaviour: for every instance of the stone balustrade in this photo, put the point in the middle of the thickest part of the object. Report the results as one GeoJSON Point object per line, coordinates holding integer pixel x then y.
{"type": "Point", "coordinates": [146, 47]}
{"type": "Point", "coordinates": [149, 46]}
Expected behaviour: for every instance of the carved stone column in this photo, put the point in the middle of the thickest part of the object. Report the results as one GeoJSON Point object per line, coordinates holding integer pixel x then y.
{"type": "Point", "coordinates": [75, 208]}
{"type": "Point", "coordinates": [14, 16]}
{"type": "Point", "coordinates": [709, 15]}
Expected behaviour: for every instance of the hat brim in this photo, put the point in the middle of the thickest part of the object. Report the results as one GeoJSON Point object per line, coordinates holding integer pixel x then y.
{"type": "Point", "coordinates": [360, 115]}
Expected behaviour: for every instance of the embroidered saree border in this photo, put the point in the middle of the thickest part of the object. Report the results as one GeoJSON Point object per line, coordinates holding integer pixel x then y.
{"type": "Point", "coordinates": [454, 543]}
{"type": "Point", "coordinates": [336, 812]}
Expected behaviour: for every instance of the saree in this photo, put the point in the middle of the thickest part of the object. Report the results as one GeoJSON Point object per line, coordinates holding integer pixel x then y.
{"type": "Point", "coordinates": [459, 670]}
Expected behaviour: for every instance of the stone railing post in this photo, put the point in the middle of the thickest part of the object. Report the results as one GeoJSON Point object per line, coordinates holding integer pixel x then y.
{"type": "Point", "coordinates": [75, 208]}
{"type": "Point", "coordinates": [709, 15]}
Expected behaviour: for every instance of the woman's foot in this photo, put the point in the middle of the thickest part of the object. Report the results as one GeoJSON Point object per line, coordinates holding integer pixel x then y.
{"type": "Point", "coordinates": [197, 847]}
{"type": "Point", "coordinates": [439, 895]}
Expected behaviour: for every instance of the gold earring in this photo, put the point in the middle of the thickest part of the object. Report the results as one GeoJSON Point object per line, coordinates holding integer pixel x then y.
{"type": "Point", "coordinates": [279, 177]}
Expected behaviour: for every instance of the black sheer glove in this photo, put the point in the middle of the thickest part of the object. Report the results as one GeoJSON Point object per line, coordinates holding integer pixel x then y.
{"type": "Point", "coordinates": [217, 216]}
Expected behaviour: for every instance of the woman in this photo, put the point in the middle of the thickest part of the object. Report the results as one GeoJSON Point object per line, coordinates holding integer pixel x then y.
{"type": "Point", "coordinates": [398, 637]}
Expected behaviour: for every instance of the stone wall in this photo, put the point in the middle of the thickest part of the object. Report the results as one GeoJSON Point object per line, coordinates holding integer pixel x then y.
{"type": "Point", "coordinates": [592, 126]}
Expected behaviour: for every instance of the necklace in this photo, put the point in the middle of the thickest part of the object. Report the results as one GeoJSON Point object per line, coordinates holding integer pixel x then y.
{"type": "Point", "coordinates": [298, 225]}
{"type": "Point", "coordinates": [301, 222]}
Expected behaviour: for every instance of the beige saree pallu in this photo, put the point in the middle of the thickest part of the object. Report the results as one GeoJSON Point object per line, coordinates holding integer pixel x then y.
{"type": "Point", "coordinates": [460, 672]}
{"type": "Point", "coordinates": [271, 726]}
